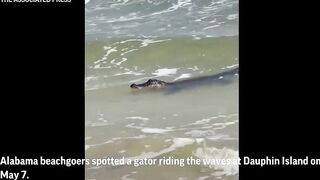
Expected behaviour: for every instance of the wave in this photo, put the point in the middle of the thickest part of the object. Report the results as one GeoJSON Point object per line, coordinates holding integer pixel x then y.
{"type": "Point", "coordinates": [124, 18]}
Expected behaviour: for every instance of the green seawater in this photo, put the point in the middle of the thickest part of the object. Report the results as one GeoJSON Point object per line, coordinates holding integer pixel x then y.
{"type": "Point", "coordinates": [201, 122]}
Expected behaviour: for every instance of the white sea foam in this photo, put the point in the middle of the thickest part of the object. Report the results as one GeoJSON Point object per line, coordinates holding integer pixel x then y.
{"type": "Point", "coordinates": [123, 2]}
{"type": "Point", "coordinates": [231, 66]}
{"type": "Point", "coordinates": [176, 143]}
{"type": "Point", "coordinates": [138, 118]}
{"type": "Point", "coordinates": [154, 130]}
{"type": "Point", "coordinates": [210, 27]}
{"type": "Point", "coordinates": [98, 124]}
{"type": "Point", "coordinates": [91, 78]}
{"type": "Point", "coordinates": [97, 63]}
{"type": "Point", "coordinates": [180, 3]}
{"type": "Point", "coordinates": [224, 153]}
{"type": "Point", "coordinates": [129, 73]}
{"type": "Point", "coordinates": [203, 178]}
{"type": "Point", "coordinates": [194, 68]}
{"type": "Point", "coordinates": [232, 16]}
{"type": "Point", "coordinates": [146, 42]}
{"type": "Point", "coordinates": [200, 133]}
{"type": "Point", "coordinates": [129, 51]}
{"type": "Point", "coordinates": [183, 76]}
{"type": "Point", "coordinates": [126, 177]}
{"type": "Point", "coordinates": [209, 119]}
{"type": "Point", "coordinates": [165, 71]}
{"type": "Point", "coordinates": [119, 62]}
{"type": "Point", "coordinates": [180, 142]}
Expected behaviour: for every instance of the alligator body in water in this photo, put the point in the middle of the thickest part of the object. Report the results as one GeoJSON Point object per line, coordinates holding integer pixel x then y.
{"type": "Point", "coordinates": [225, 77]}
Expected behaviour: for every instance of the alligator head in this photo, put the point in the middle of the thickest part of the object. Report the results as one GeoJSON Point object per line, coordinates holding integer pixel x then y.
{"type": "Point", "coordinates": [151, 83]}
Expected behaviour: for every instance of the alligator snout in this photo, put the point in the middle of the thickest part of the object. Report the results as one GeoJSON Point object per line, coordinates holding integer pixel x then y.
{"type": "Point", "coordinates": [135, 86]}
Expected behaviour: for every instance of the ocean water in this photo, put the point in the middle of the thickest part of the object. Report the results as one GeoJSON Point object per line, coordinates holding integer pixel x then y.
{"type": "Point", "coordinates": [132, 41]}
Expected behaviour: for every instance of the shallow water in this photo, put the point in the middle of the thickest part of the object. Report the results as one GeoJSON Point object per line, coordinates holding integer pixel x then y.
{"type": "Point", "coordinates": [201, 122]}
{"type": "Point", "coordinates": [132, 18]}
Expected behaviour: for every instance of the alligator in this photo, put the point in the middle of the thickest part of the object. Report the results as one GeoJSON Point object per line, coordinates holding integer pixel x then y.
{"type": "Point", "coordinates": [151, 83]}
{"type": "Point", "coordinates": [220, 78]}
